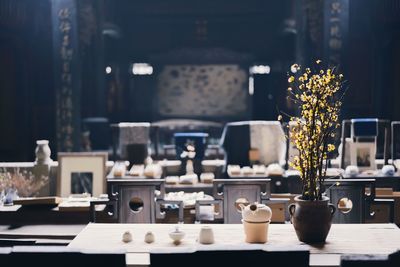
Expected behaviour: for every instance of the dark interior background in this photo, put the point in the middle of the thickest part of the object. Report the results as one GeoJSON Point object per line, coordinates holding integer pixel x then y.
{"type": "Point", "coordinates": [120, 33]}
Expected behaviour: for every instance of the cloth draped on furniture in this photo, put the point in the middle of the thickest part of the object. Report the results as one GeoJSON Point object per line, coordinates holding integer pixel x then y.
{"type": "Point", "coordinates": [99, 132]}
{"type": "Point", "coordinates": [133, 141]}
{"type": "Point", "coordinates": [267, 137]}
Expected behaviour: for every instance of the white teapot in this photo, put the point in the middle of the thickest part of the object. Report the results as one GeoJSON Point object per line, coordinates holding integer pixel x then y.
{"type": "Point", "coordinates": [256, 213]}
{"type": "Point", "coordinates": [256, 219]}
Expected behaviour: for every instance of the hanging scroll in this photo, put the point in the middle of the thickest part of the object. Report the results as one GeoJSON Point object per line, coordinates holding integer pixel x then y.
{"type": "Point", "coordinates": [336, 27]}
{"type": "Point", "coordinates": [66, 74]}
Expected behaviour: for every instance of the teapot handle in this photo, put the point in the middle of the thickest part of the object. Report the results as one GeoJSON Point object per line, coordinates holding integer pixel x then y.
{"type": "Point", "coordinates": [242, 206]}
{"type": "Point", "coordinates": [292, 208]}
{"type": "Point", "coordinates": [332, 208]}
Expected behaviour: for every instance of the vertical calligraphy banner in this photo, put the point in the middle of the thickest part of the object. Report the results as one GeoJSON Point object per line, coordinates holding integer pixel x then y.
{"type": "Point", "coordinates": [66, 74]}
{"type": "Point", "coordinates": [336, 28]}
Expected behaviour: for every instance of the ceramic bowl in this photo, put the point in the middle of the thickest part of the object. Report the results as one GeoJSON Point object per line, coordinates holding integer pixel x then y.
{"type": "Point", "coordinates": [177, 236]}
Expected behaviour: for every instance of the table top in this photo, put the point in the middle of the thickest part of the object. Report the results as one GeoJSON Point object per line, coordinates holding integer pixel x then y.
{"type": "Point", "coordinates": [342, 239]}
{"type": "Point", "coordinates": [43, 214]}
{"type": "Point", "coordinates": [47, 231]}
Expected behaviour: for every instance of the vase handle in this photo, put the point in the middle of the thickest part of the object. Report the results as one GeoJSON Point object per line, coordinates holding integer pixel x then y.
{"type": "Point", "coordinates": [292, 208]}
{"type": "Point", "coordinates": [332, 208]}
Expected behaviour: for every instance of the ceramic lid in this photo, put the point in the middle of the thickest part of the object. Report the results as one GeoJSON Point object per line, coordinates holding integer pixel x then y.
{"type": "Point", "coordinates": [256, 213]}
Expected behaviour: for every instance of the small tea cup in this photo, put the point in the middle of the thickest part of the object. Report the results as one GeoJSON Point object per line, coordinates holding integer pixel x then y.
{"type": "Point", "coordinates": [206, 235]}
{"type": "Point", "coordinates": [256, 232]}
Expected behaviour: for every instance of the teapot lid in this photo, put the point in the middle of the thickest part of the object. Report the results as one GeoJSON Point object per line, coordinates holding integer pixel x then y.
{"type": "Point", "coordinates": [256, 212]}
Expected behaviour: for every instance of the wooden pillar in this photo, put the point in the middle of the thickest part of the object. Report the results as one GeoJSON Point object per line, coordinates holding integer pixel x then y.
{"type": "Point", "coordinates": [91, 50]}
{"type": "Point", "coordinates": [101, 102]}
{"type": "Point", "coordinates": [67, 78]}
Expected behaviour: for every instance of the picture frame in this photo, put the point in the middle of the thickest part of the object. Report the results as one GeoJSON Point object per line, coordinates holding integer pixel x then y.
{"type": "Point", "coordinates": [363, 155]}
{"type": "Point", "coordinates": [81, 172]}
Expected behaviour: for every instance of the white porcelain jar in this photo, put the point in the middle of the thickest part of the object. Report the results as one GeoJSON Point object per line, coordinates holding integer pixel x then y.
{"type": "Point", "coordinates": [206, 235]}
{"type": "Point", "coordinates": [43, 152]}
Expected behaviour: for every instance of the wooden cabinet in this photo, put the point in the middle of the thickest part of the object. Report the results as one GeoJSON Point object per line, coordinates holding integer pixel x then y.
{"type": "Point", "coordinates": [136, 198]}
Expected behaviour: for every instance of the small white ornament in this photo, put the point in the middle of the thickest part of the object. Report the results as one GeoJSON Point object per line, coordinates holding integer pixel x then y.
{"type": "Point", "coordinates": [388, 170]}
{"type": "Point", "coordinates": [127, 237]}
{"type": "Point", "coordinates": [352, 170]}
{"type": "Point", "coordinates": [149, 237]}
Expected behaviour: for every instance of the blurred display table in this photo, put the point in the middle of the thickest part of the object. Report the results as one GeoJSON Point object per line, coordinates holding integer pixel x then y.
{"type": "Point", "coordinates": [380, 180]}
{"type": "Point", "coordinates": [190, 188]}
{"type": "Point", "coordinates": [342, 239]}
{"type": "Point", "coordinates": [132, 180]}
{"type": "Point", "coordinates": [286, 183]}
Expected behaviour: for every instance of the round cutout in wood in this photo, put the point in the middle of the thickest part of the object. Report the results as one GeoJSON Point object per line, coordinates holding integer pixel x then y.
{"type": "Point", "coordinates": [136, 204]}
{"type": "Point", "coordinates": [345, 205]}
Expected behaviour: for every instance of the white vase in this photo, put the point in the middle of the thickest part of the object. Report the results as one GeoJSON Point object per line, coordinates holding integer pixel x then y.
{"type": "Point", "coordinates": [42, 152]}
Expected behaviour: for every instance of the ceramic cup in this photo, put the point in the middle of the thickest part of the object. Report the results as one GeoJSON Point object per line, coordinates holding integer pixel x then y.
{"type": "Point", "coordinates": [177, 236]}
{"type": "Point", "coordinates": [256, 232]}
{"type": "Point", "coordinates": [206, 235]}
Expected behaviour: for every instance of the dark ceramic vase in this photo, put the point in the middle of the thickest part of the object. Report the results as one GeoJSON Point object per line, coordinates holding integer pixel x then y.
{"type": "Point", "coordinates": [311, 219]}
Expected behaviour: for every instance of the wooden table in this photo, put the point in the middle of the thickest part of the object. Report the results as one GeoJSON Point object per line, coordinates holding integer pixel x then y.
{"type": "Point", "coordinates": [342, 239]}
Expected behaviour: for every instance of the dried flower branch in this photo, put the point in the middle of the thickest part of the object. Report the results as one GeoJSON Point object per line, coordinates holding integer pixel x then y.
{"type": "Point", "coordinates": [318, 95]}
{"type": "Point", "coordinates": [24, 182]}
